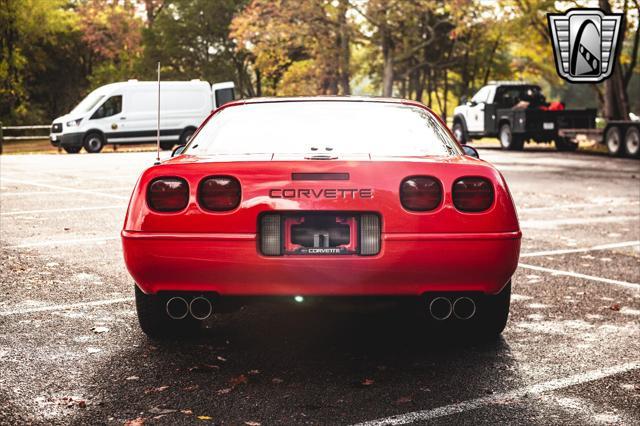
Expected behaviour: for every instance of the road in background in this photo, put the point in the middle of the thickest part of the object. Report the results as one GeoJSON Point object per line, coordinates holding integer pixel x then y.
{"type": "Point", "coordinates": [71, 350]}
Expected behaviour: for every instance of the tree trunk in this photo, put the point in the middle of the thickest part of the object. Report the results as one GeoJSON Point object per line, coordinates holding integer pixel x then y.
{"type": "Point", "coordinates": [345, 52]}
{"type": "Point", "coordinates": [616, 101]}
{"type": "Point", "coordinates": [387, 72]}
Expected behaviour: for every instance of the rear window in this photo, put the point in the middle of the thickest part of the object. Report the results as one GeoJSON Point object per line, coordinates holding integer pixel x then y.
{"type": "Point", "coordinates": [352, 127]}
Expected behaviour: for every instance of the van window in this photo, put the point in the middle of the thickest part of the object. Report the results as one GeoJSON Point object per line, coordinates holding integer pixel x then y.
{"type": "Point", "coordinates": [482, 95]}
{"type": "Point", "coordinates": [87, 103]}
{"type": "Point", "coordinates": [111, 106]}
{"type": "Point", "coordinates": [224, 96]}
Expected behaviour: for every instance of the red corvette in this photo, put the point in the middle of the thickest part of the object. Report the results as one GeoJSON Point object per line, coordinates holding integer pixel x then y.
{"type": "Point", "coordinates": [330, 198]}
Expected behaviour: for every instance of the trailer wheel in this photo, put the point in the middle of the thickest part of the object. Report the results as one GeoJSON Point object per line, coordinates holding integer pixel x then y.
{"type": "Point", "coordinates": [614, 141]}
{"type": "Point", "coordinates": [508, 140]}
{"type": "Point", "coordinates": [565, 144]}
{"type": "Point", "coordinates": [632, 142]}
{"type": "Point", "coordinates": [459, 133]}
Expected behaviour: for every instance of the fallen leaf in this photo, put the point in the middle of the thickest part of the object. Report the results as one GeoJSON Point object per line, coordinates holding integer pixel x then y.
{"type": "Point", "coordinates": [158, 410]}
{"type": "Point", "coordinates": [187, 412]}
{"type": "Point", "coordinates": [93, 350]}
{"type": "Point", "coordinates": [223, 391]}
{"type": "Point", "coordinates": [252, 423]}
{"type": "Point", "coordinates": [158, 389]}
{"type": "Point", "coordinates": [367, 382]}
{"type": "Point", "coordinates": [615, 307]}
{"type": "Point", "coordinates": [254, 372]}
{"type": "Point", "coordinates": [235, 381]}
{"type": "Point", "coordinates": [276, 380]}
{"type": "Point", "coordinates": [190, 388]}
{"type": "Point", "coordinates": [404, 400]}
{"type": "Point", "coordinates": [221, 358]}
{"type": "Point", "coordinates": [205, 418]}
{"type": "Point", "coordinates": [100, 329]}
{"type": "Point", "coordinates": [135, 422]}
{"type": "Point", "coordinates": [133, 378]}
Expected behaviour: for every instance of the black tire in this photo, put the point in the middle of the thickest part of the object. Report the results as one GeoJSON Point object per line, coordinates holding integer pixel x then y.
{"type": "Point", "coordinates": [93, 142]}
{"type": "Point", "coordinates": [155, 322]}
{"type": "Point", "coordinates": [186, 135]}
{"type": "Point", "coordinates": [459, 132]}
{"type": "Point", "coordinates": [166, 145]}
{"type": "Point", "coordinates": [632, 142]}
{"type": "Point", "coordinates": [493, 313]}
{"type": "Point", "coordinates": [613, 140]}
{"type": "Point", "coordinates": [565, 145]}
{"type": "Point", "coordinates": [72, 149]}
{"type": "Point", "coordinates": [508, 140]}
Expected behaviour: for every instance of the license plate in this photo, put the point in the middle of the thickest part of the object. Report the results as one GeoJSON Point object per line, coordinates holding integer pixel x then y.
{"type": "Point", "coordinates": [320, 234]}
{"type": "Point", "coordinates": [548, 126]}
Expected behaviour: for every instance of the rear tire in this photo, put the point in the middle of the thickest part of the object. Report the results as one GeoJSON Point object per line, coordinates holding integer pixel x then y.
{"type": "Point", "coordinates": [72, 149]}
{"type": "Point", "coordinates": [632, 142]}
{"type": "Point", "coordinates": [186, 135]}
{"type": "Point", "coordinates": [93, 142]}
{"type": "Point", "coordinates": [459, 133]}
{"type": "Point", "coordinates": [565, 145]}
{"type": "Point", "coordinates": [613, 139]}
{"type": "Point", "coordinates": [508, 140]}
{"type": "Point", "coordinates": [166, 145]}
{"type": "Point", "coordinates": [155, 322]}
{"type": "Point", "coordinates": [494, 312]}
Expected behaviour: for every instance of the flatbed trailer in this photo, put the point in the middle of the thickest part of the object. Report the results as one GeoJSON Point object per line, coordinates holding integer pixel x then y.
{"type": "Point", "coordinates": [622, 137]}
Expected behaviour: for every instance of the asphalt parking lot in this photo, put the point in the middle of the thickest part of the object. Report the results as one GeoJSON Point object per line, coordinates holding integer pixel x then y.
{"type": "Point", "coordinates": [71, 351]}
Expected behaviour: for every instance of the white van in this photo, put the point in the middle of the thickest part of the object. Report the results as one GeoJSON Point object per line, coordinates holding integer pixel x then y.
{"type": "Point", "coordinates": [126, 113]}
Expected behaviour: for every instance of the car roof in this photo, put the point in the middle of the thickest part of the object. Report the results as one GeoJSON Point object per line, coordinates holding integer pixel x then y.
{"type": "Point", "coordinates": [377, 99]}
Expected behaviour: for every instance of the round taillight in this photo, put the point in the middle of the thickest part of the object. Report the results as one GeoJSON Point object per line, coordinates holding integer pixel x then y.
{"type": "Point", "coordinates": [420, 193]}
{"type": "Point", "coordinates": [472, 194]}
{"type": "Point", "coordinates": [168, 194]}
{"type": "Point", "coordinates": [219, 193]}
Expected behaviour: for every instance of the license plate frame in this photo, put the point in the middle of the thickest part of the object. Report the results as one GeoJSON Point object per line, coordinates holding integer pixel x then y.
{"type": "Point", "coordinates": [320, 234]}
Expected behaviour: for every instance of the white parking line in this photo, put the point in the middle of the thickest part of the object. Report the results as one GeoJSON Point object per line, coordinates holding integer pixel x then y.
{"type": "Point", "coordinates": [29, 193]}
{"type": "Point", "coordinates": [505, 397]}
{"type": "Point", "coordinates": [65, 307]}
{"type": "Point", "coordinates": [63, 242]}
{"type": "Point", "coordinates": [581, 250]}
{"type": "Point", "coordinates": [71, 209]}
{"type": "Point", "coordinates": [67, 189]}
{"type": "Point", "coordinates": [552, 224]}
{"type": "Point", "coordinates": [582, 276]}
{"type": "Point", "coordinates": [576, 206]}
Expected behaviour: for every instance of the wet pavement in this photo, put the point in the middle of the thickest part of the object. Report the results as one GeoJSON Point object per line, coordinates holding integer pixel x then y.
{"type": "Point", "coordinates": [71, 351]}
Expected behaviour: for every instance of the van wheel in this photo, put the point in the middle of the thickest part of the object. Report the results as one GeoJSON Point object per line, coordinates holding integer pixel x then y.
{"type": "Point", "coordinates": [459, 133]}
{"type": "Point", "coordinates": [613, 139]}
{"type": "Point", "coordinates": [186, 135]}
{"type": "Point", "coordinates": [93, 142]}
{"type": "Point", "coordinates": [155, 322]}
{"type": "Point", "coordinates": [565, 144]}
{"type": "Point", "coordinates": [632, 142]}
{"type": "Point", "coordinates": [72, 149]}
{"type": "Point", "coordinates": [508, 140]}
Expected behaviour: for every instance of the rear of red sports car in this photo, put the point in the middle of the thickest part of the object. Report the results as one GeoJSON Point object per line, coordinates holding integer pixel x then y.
{"type": "Point", "coordinates": [328, 198]}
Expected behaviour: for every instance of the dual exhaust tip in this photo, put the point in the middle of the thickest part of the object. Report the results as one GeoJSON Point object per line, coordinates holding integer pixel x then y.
{"type": "Point", "coordinates": [442, 308]}
{"type": "Point", "coordinates": [179, 308]}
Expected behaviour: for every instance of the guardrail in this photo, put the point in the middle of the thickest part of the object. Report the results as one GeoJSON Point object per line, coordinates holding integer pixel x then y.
{"type": "Point", "coordinates": [12, 129]}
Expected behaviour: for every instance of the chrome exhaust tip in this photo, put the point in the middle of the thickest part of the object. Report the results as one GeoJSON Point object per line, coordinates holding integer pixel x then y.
{"type": "Point", "coordinates": [440, 308]}
{"type": "Point", "coordinates": [177, 308]}
{"type": "Point", "coordinates": [464, 308]}
{"type": "Point", "coordinates": [200, 308]}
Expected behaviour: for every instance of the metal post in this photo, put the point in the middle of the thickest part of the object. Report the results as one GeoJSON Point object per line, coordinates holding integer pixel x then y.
{"type": "Point", "coordinates": [1, 137]}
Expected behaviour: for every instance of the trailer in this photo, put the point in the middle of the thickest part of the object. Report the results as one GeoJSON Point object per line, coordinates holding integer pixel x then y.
{"type": "Point", "coordinates": [622, 137]}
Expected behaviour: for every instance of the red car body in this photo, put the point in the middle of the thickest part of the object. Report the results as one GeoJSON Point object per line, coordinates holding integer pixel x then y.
{"type": "Point", "coordinates": [444, 249]}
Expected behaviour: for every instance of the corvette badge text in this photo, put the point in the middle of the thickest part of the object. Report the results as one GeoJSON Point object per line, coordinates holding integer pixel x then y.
{"type": "Point", "coordinates": [331, 193]}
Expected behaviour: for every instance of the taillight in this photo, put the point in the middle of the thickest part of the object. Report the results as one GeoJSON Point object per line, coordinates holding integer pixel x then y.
{"type": "Point", "coordinates": [472, 194]}
{"type": "Point", "coordinates": [219, 193]}
{"type": "Point", "coordinates": [420, 193]}
{"type": "Point", "coordinates": [168, 194]}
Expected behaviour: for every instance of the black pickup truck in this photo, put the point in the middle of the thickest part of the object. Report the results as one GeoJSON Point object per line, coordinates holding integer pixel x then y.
{"type": "Point", "coordinates": [516, 112]}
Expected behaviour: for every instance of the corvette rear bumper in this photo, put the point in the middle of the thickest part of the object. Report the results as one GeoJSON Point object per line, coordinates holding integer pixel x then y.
{"type": "Point", "coordinates": [408, 264]}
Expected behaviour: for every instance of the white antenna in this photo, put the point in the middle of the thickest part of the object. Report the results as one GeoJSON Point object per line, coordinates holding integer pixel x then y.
{"type": "Point", "coordinates": [158, 124]}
